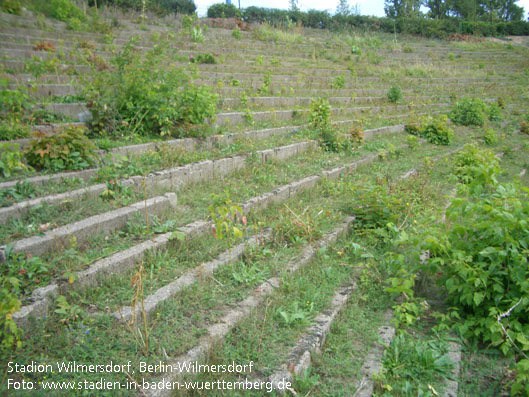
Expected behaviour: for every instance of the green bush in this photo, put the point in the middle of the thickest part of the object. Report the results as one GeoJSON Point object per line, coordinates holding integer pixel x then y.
{"type": "Point", "coordinates": [485, 263]}
{"type": "Point", "coordinates": [394, 94]}
{"type": "Point", "coordinates": [10, 159]}
{"type": "Point", "coordinates": [236, 33]}
{"type": "Point", "coordinates": [11, 129]}
{"type": "Point", "coordinates": [320, 114]}
{"type": "Point", "coordinates": [144, 96]}
{"type": "Point", "coordinates": [63, 10]}
{"type": "Point", "coordinates": [490, 137]}
{"type": "Point", "coordinates": [9, 304]}
{"type": "Point", "coordinates": [468, 161]}
{"type": "Point", "coordinates": [435, 130]}
{"type": "Point", "coordinates": [524, 127]}
{"type": "Point", "coordinates": [338, 83]}
{"type": "Point", "coordinates": [68, 149]}
{"type": "Point", "coordinates": [11, 6]}
{"type": "Point", "coordinates": [472, 112]}
{"type": "Point", "coordinates": [206, 58]}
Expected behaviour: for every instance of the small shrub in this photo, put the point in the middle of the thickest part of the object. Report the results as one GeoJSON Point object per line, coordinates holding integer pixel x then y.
{"type": "Point", "coordinates": [490, 137]}
{"type": "Point", "coordinates": [74, 24]}
{"type": "Point", "coordinates": [394, 94]}
{"type": "Point", "coordinates": [236, 33]}
{"type": "Point", "coordinates": [338, 83]}
{"type": "Point", "coordinates": [9, 304]}
{"type": "Point", "coordinates": [355, 50]}
{"type": "Point", "coordinates": [11, 129]}
{"type": "Point", "coordinates": [356, 137]}
{"type": "Point", "coordinates": [205, 58]}
{"type": "Point", "coordinates": [468, 160]}
{"type": "Point", "coordinates": [44, 46]}
{"type": "Point", "coordinates": [437, 132]}
{"type": "Point", "coordinates": [408, 49]}
{"type": "Point", "coordinates": [197, 34]}
{"type": "Point", "coordinates": [412, 141]}
{"type": "Point", "coordinates": [320, 113]}
{"type": "Point", "coordinates": [524, 127]}
{"type": "Point", "coordinates": [69, 149]}
{"type": "Point", "coordinates": [413, 127]}
{"type": "Point", "coordinates": [469, 112]}
{"type": "Point", "coordinates": [10, 159]}
{"type": "Point", "coordinates": [494, 112]}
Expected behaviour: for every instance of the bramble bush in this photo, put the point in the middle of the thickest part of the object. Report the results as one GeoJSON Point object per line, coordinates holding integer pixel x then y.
{"type": "Point", "coordinates": [68, 149]}
{"type": "Point", "coordinates": [479, 257]}
{"type": "Point", "coordinates": [143, 95]}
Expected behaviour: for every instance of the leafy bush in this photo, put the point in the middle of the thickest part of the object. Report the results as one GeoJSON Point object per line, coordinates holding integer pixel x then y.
{"type": "Point", "coordinates": [28, 272]}
{"type": "Point", "coordinates": [10, 159]}
{"type": "Point", "coordinates": [524, 127]}
{"type": "Point", "coordinates": [206, 58]}
{"type": "Point", "coordinates": [11, 6]}
{"type": "Point", "coordinates": [338, 83]}
{"type": "Point", "coordinates": [435, 130]}
{"type": "Point", "coordinates": [68, 149]}
{"type": "Point", "coordinates": [236, 33]}
{"type": "Point", "coordinates": [143, 96]}
{"type": "Point", "coordinates": [485, 262]}
{"type": "Point", "coordinates": [320, 113]}
{"type": "Point", "coordinates": [490, 137]}
{"type": "Point", "coordinates": [394, 94]}
{"type": "Point", "coordinates": [9, 304]}
{"type": "Point", "coordinates": [468, 161]}
{"type": "Point", "coordinates": [494, 112]}
{"type": "Point", "coordinates": [197, 34]}
{"type": "Point", "coordinates": [474, 112]}
{"type": "Point", "coordinates": [63, 10]}
{"type": "Point", "coordinates": [222, 10]}
{"type": "Point", "coordinates": [12, 129]}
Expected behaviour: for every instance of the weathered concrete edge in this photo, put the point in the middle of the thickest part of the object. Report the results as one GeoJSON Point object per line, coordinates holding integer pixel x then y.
{"type": "Point", "coordinates": [299, 357]}
{"type": "Point", "coordinates": [83, 229]}
{"type": "Point", "coordinates": [128, 313]}
{"type": "Point", "coordinates": [220, 329]}
{"type": "Point", "coordinates": [451, 385]}
{"type": "Point", "coordinates": [123, 260]}
{"type": "Point", "coordinates": [175, 177]}
{"type": "Point", "coordinates": [373, 362]}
